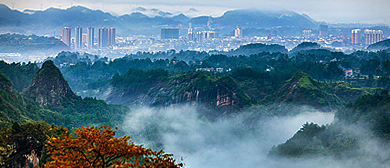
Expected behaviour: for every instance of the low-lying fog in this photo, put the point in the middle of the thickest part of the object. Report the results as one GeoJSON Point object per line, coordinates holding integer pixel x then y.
{"type": "Point", "coordinates": [238, 141]}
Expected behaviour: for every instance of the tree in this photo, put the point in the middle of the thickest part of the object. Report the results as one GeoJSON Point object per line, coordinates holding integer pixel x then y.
{"type": "Point", "coordinates": [4, 149]}
{"type": "Point", "coordinates": [97, 147]}
{"type": "Point", "coordinates": [386, 65]}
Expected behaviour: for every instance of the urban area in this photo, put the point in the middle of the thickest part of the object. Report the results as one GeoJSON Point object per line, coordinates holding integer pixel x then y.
{"type": "Point", "coordinates": [104, 41]}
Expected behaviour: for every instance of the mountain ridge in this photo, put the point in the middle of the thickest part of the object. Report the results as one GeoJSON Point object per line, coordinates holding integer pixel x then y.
{"type": "Point", "coordinates": [54, 18]}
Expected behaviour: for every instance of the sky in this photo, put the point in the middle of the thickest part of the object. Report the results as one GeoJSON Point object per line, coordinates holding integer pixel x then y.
{"type": "Point", "coordinates": [330, 11]}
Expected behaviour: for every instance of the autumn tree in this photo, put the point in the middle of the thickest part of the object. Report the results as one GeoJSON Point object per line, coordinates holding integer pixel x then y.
{"type": "Point", "coordinates": [97, 147]}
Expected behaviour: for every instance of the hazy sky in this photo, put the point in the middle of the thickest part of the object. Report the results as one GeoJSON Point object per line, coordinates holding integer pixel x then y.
{"type": "Point", "coordinates": [331, 11]}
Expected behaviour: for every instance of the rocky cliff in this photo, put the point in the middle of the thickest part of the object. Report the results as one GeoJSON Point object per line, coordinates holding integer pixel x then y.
{"type": "Point", "coordinates": [221, 94]}
{"type": "Point", "coordinates": [204, 89]}
{"type": "Point", "coordinates": [49, 87]}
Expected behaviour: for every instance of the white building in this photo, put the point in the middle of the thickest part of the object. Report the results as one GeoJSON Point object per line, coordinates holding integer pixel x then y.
{"type": "Point", "coordinates": [372, 36]}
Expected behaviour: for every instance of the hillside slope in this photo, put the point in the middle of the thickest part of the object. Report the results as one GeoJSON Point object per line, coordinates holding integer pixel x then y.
{"type": "Point", "coordinates": [15, 107]}
{"type": "Point", "coordinates": [301, 89]}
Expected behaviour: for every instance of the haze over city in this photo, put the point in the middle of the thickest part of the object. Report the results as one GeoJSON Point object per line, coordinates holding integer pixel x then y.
{"type": "Point", "coordinates": [343, 11]}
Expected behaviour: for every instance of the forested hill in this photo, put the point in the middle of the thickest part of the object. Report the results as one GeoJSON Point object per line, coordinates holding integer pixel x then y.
{"type": "Point", "coordinates": [305, 46]}
{"type": "Point", "coordinates": [382, 45]}
{"type": "Point", "coordinates": [259, 85]}
{"type": "Point", "coordinates": [256, 48]}
{"type": "Point", "coordinates": [50, 98]}
{"type": "Point", "coordinates": [301, 89]}
{"type": "Point", "coordinates": [25, 122]}
{"type": "Point", "coordinates": [266, 78]}
{"type": "Point", "coordinates": [48, 87]}
{"type": "Point", "coordinates": [263, 76]}
{"type": "Point", "coordinates": [364, 122]}
{"type": "Point", "coordinates": [17, 43]}
{"type": "Point", "coordinates": [15, 107]}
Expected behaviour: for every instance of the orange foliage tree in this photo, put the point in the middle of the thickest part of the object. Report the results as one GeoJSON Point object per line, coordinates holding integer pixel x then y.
{"type": "Point", "coordinates": [97, 147]}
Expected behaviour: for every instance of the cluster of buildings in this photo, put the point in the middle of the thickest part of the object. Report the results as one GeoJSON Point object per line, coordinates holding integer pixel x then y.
{"type": "Point", "coordinates": [206, 38]}
{"type": "Point", "coordinates": [369, 37]}
{"type": "Point", "coordinates": [105, 38]}
{"type": "Point", "coordinates": [198, 36]}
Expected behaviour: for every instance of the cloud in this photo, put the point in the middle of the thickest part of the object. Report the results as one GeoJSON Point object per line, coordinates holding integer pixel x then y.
{"type": "Point", "coordinates": [237, 141]}
{"type": "Point", "coordinates": [243, 140]}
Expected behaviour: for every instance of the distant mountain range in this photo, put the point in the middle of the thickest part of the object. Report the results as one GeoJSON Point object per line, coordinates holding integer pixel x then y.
{"type": "Point", "coordinates": [51, 21]}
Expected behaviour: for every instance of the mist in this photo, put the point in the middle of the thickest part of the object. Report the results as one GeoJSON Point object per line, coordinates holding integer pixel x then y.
{"type": "Point", "coordinates": [242, 140]}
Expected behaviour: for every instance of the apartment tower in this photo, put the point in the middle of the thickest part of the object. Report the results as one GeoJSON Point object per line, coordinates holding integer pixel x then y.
{"type": "Point", "coordinates": [66, 35]}
{"type": "Point", "coordinates": [90, 37]}
{"type": "Point", "coordinates": [78, 37]}
{"type": "Point", "coordinates": [356, 37]}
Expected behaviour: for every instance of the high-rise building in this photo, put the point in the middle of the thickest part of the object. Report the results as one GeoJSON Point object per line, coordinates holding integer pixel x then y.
{"type": "Point", "coordinates": [269, 36]}
{"type": "Point", "coordinates": [306, 33]}
{"type": "Point", "coordinates": [111, 36]}
{"type": "Point", "coordinates": [103, 37]}
{"type": "Point", "coordinates": [211, 34]}
{"type": "Point", "coordinates": [66, 35]}
{"type": "Point", "coordinates": [90, 37]}
{"type": "Point", "coordinates": [356, 36]}
{"type": "Point", "coordinates": [190, 34]}
{"type": "Point", "coordinates": [206, 35]}
{"type": "Point", "coordinates": [323, 30]}
{"type": "Point", "coordinates": [372, 36]}
{"type": "Point", "coordinates": [84, 39]}
{"type": "Point", "coordinates": [169, 33]}
{"type": "Point", "coordinates": [199, 36]}
{"type": "Point", "coordinates": [78, 37]}
{"type": "Point", "coordinates": [238, 32]}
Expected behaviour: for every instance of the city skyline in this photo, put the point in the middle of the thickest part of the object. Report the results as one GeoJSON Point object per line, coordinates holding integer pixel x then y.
{"type": "Point", "coordinates": [344, 11]}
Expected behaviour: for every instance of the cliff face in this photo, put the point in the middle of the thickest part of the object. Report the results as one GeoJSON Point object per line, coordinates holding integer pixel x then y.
{"type": "Point", "coordinates": [220, 94]}
{"type": "Point", "coordinates": [48, 86]}
{"type": "Point", "coordinates": [212, 93]}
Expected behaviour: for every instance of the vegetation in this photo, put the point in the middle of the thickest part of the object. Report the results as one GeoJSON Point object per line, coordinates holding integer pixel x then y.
{"type": "Point", "coordinates": [313, 140]}
{"type": "Point", "coordinates": [16, 107]}
{"type": "Point", "coordinates": [306, 46]}
{"type": "Point", "coordinates": [250, 49]}
{"type": "Point", "coordinates": [67, 108]}
{"type": "Point", "coordinates": [20, 74]}
{"type": "Point", "coordinates": [371, 110]}
{"type": "Point", "coordinates": [26, 140]}
{"type": "Point", "coordinates": [262, 80]}
{"type": "Point", "coordinates": [50, 90]}
{"type": "Point", "coordinates": [382, 45]}
{"type": "Point", "coordinates": [98, 147]}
